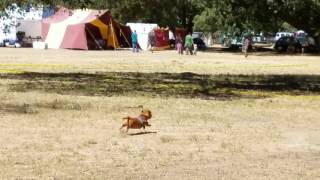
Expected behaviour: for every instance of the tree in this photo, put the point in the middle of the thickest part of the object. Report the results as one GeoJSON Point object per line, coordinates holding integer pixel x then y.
{"type": "Point", "coordinates": [163, 12]}
{"type": "Point", "coordinates": [262, 15]}
{"type": "Point", "coordinates": [207, 15]}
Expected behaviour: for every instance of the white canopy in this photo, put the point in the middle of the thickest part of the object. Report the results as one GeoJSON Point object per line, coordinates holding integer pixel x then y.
{"type": "Point", "coordinates": [8, 24]}
{"type": "Point", "coordinates": [142, 30]}
{"type": "Point", "coordinates": [32, 28]}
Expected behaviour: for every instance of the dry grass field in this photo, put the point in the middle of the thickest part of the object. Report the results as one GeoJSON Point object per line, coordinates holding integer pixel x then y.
{"type": "Point", "coordinates": [215, 115]}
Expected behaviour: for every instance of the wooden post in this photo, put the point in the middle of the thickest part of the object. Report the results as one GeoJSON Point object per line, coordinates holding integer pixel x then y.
{"type": "Point", "coordinates": [114, 41]}
{"type": "Point", "coordinates": [125, 37]}
{"type": "Point", "coordinates": [93, 38]}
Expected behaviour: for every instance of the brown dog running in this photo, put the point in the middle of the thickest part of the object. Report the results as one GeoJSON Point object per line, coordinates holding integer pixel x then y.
{"type": "Point", "coordinates": [138, 122]}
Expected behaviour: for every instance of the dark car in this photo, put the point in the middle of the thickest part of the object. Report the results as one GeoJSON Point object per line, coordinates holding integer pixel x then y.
{"type": "Point", "coordinates": [197, 39]}
{"type": "Point", "coordinates": [288, 44]}
{"type": "Point", "coordinates": [200, 44]}
{"type": "Point", "coordinates": [307, 42]}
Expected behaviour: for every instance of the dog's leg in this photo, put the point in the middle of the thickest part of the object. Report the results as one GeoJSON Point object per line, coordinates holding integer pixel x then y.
{"type": "Point", "coordinates": [147, 124]}
{"type": "Point", "coordinates": [123, 125]}
{"type": "Point", "coordinates": [144, 128]}
{"type": "Point", "coordinates": [128, 125]}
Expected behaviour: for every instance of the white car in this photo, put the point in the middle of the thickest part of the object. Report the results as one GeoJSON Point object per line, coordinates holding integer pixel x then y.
{"type": "Point", "coordinates": [282, 34]}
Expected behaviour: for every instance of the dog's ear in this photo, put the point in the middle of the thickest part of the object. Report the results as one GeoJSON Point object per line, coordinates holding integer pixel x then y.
{"type": "Point", "coordinates": [146, 112]}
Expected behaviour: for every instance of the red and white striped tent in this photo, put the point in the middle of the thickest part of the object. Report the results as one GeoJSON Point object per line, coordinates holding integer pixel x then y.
{"type": "Point", "coordinates": [84, 29]}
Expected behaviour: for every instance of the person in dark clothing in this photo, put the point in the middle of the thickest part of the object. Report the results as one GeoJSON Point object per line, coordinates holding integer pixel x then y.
{"type": "Point", "coordinates": [151, 41]}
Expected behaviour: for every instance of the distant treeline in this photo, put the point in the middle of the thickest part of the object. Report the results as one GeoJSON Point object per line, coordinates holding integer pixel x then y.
{"type": "Point", "coordinates": [205, 15]}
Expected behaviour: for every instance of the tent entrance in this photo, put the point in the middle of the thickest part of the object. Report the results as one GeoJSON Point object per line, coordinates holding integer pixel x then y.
{"type": "Point", "coordinates": [85, 29]}
{"type": "Point", "coordinates": [94, 39]}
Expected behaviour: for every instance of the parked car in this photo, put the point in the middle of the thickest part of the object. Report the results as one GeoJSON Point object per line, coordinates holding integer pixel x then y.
{"type": "Point", "coordinates": [196, 35]}
{"type": "Point", "coordinates": [307, 42]}
{"type": "Point", "coordinates": [282, 34]}
{"type": "Point", "coordinates": [233, 43]}
{"type": "Point", "coordinates": [197, 39]}
{"type": "Point", "coordinates": [259, 39]}
{"type": "Point", "coordinates": [200, 44]}
{"type": "Point", "coordinates": [288, 44]}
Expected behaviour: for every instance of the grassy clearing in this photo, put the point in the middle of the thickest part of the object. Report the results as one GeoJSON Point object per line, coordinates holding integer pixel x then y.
{"type": "Point", "coordinates": [63, 122]}
{"type": "Point", "coordinates": [77, 137]}
{"type": "Point", "coordinates": [66, 61]}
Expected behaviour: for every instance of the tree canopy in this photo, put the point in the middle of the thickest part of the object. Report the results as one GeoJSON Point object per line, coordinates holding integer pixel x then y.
{"type": "Point", "coordinates": [206, 15]}
{"type": "Point", "coordinates": [262, 15]}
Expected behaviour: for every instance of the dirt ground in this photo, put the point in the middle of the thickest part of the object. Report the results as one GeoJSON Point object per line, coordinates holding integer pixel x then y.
{"type": "Point", "coordinates": [52, 133]}
{"type": "Point", "coordinates": [14, 60]}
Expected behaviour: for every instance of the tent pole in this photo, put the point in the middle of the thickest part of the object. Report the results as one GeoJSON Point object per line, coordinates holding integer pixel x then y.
{"type": "Point", "coordinates": [92, 36]}
{"type": "Point", "coordinates": [114, 40]}
{"type": "Point", "coordinates": [125, 37]}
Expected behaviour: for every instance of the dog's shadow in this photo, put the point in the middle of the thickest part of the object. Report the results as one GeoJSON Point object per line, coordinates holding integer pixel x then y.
{"type": "Point", "coordinates": [142, 133]}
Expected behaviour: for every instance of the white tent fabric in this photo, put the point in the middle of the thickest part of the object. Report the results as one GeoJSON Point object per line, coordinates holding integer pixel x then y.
{"type": "Point", "coordinates": [57, 30]}
{"type": "Point", "coordinates": [8, 23]}
{"type": "Point", "coordinates": [142, 30]}
{"type": "Point", "coordinates": [32, 28]}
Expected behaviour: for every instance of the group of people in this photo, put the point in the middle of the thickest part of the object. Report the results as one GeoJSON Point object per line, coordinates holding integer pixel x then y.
{"type": "Point", "coordinates": [151, 41]}
{"type": "Point", "coordinates": [189, 46]}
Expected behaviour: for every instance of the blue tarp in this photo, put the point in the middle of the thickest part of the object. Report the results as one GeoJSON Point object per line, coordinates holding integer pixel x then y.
{"type": "Point", "coordinates": [47, 12]}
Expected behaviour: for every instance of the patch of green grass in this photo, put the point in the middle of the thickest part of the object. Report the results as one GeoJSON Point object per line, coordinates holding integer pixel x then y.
{"type": "Point", "coordinates": [186, 85]}
{"type": "Point", "coordinates": [18, 108]}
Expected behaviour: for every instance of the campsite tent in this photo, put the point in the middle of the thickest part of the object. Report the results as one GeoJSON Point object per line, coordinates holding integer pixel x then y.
{"type": "Point", "coordinates": [181, 32]}
{"type": "Point", "coordinates": [14, 14]}
{"type": "Point", "coordinates": [142, 30]}
{"type": "Point", "coordinates": [84, 29]}
{"type": "Point", "coordinates": [162, 38]}
{"type": "Point", "coordinates": [31, 28]}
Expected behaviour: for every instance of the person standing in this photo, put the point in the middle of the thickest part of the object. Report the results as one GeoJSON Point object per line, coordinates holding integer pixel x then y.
{"type": "Point", "coordinates": [188, 44]}
{"type": "Point", "coordinates": [246, 45]}
{"type": "Point", "coordinates": [179, 44]}
{"type": "Point", "coordinates": [152, 40]}
{"type": "Point", "coordinates": [172, 39]}
{"type": "Point", "coordinates": [134, 38]}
